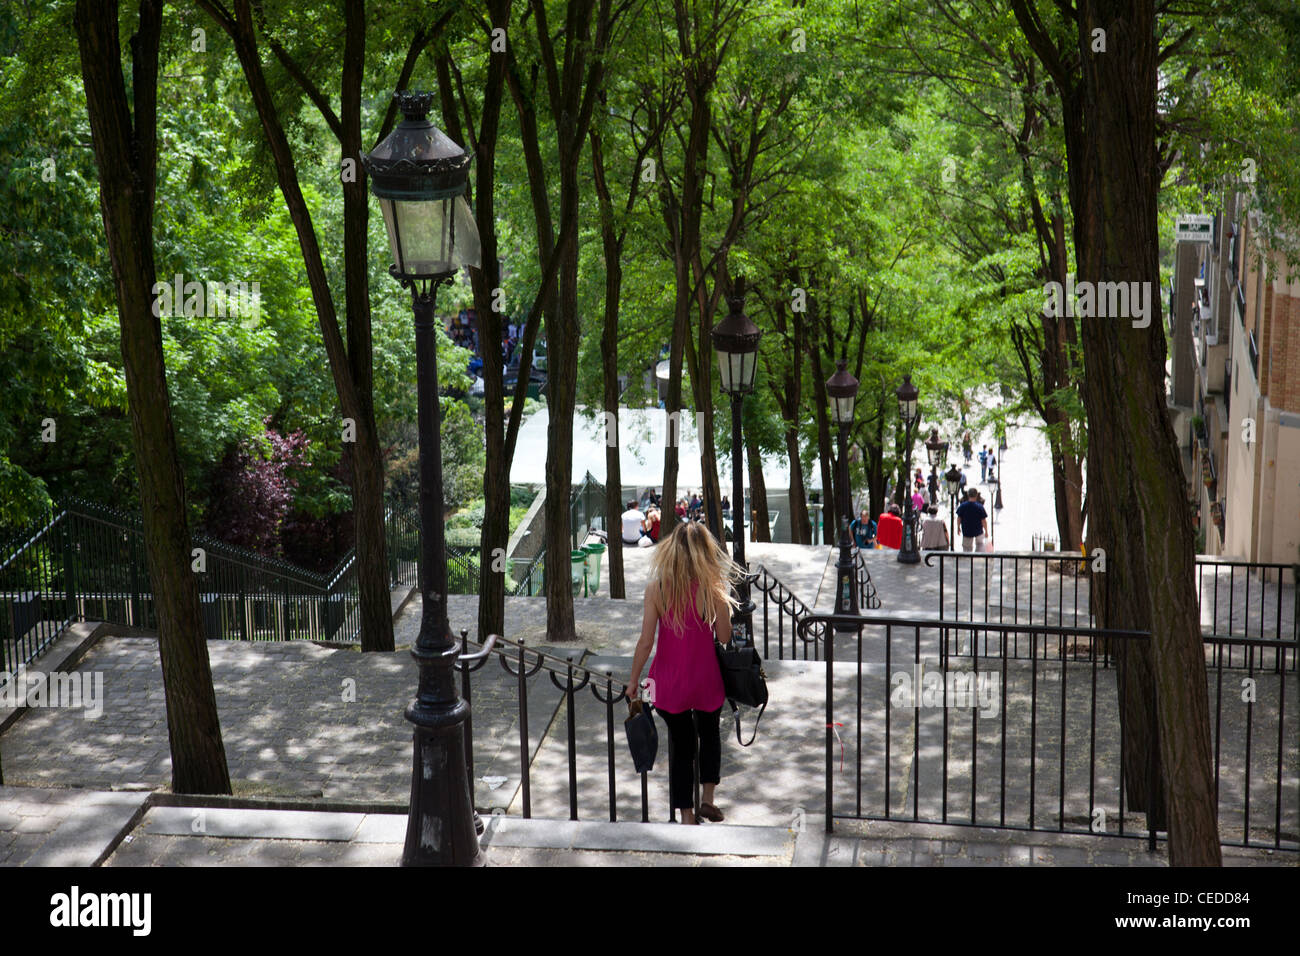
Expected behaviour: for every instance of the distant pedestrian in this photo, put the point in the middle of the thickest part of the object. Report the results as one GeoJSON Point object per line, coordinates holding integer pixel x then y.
{"type": "Point", "coordinates": [974, 522]}
{"type": "Point", "coordinates": [889, 529]}
{"type": "Point", "coordinates": [633, 521]}
{"type": "Point", "coordinates": [863, 530]}
{"type": "Point", "coordinates": [934, 531]}
{"type": "Point", "coordinates": [934, 485]}
{"type": "Point", "coordinates": [984, 464]}
{"type": "Point", "coordinates": [966, 446]}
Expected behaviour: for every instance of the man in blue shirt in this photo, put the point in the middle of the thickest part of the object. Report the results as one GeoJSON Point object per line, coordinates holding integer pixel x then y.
{"type": "Point", "coordinates": [863, 530]}
{"type": "Point", "coordinates": [974, 522]}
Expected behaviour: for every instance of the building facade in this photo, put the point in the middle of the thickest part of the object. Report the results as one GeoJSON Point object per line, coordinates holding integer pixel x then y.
{"type": "Point", "coordinates": [1235, 387]}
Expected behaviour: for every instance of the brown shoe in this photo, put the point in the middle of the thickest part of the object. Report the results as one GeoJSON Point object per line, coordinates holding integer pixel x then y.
{"type": "Point", "coordinates": [709, 812]}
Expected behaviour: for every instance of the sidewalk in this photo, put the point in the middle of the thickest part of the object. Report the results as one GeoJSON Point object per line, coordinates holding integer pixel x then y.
{"type": "Point", "coordinates": [57, 828]}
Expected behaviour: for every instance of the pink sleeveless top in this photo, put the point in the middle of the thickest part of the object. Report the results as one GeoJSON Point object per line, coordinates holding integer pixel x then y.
{"type": "Point", "coordinates": [685, 669]}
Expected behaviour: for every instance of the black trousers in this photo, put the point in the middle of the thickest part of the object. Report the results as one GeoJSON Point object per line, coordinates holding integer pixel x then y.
{"type": "Point", "coordinates": [681, 768]}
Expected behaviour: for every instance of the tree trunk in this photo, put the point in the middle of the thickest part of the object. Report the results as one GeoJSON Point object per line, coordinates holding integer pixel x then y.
{"type": "Point", "coordinates": [351, 370]}
{"type": "Point", "coordinates": [800, 523]}
{"type": "Point", "coordinates": [127, 160]}
{"type": "Point", "coordinates": [485, 280]}
{"type": "Point", "coordinates": [830, 484]}
{"type": "Point", "coordinates": [1137, 508]}
{"type": "Point", "coordinates": [758, 491]}
{"type": "Point", "coordinates": [612, 245]}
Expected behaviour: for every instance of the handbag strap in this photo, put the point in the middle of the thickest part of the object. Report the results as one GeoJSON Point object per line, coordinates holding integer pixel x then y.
{"type": "Point", "coordinates": [735, 712]}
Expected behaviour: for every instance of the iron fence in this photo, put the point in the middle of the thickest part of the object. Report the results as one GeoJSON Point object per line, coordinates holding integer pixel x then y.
{"type": "Point", "coordinates": [87, 562]}
{"type": "Point", "coordinates": [789, 611]}
{"type": "Point", "coordinates": [586, 509]}
{"type": "Point", "coordinates": [1031, 742]}
{"type": "Point", "coordinates": [1237, 599]}
{"type": "Point", "coordinates": [579, 720]}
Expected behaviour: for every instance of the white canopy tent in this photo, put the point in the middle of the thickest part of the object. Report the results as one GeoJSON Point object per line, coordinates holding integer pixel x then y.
{"type": "Point", "coordinates": [643, 435]}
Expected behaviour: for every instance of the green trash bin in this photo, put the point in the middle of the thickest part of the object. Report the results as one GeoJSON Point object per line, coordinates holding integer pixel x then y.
{"type": "Point", "coordinates": [595, 554]}
{"type": "Point", "coordinates": [578, 570]}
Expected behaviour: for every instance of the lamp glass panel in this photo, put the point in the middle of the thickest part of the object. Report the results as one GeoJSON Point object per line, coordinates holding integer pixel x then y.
{"type": "Point", "coordinates": [724, 371]}
{"type": "Point", "coordinates": [748, 367]}
{"type": "Point", "coordinates": [418, 232]}
{"type": "Point", "coordinates": [844, 411]}
{"type": "Point", "coordinates": [468, 251]}
{"type": "Point", "coordinates": [422, 239]}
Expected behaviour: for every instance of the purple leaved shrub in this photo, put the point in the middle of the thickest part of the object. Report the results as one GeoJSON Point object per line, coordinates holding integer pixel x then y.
{"type": "Point", "coordinates": [252, 492]}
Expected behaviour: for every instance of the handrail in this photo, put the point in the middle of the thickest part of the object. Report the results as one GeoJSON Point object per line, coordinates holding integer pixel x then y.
{"type": "Point", "coordinates": [868, 620]}
{"type": "Point", "coordinates": [565, 663]}
{"type": "Point", "coordinates": [34, 537]}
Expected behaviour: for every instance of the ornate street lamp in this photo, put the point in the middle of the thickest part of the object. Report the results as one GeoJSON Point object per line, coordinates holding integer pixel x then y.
{"type": "Point", "coordinates": [735, 340]}
{"type": "Point", "coordinates": [952, 478]}
{"type": "Point", "coordinates": [843, 390]}
{"type": "Point", "coordinates": [419, 178]}
{"type": "Point", "coordinates": [910, 414]}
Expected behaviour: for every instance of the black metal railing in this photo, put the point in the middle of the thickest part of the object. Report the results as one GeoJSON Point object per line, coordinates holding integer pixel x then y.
{"type": "Point", "coordinates": [86, 562]}
{"type": "Point", "coordinates": [1031, 743]}
{"type": "Point", "coordinates": [782, 611]}
{"type": "Point", "coordinates": [1237, 599]}
{"type": "Point", "coordinates": [586, 509]}
{"type": "Point", "coordinates": [868, 598]}
{"type": "Point", "coordinates": [582, 720]}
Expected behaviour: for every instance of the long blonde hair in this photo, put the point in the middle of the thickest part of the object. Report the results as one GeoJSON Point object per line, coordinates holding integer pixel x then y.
{"type": "Point", "coordinates": [691, 554]}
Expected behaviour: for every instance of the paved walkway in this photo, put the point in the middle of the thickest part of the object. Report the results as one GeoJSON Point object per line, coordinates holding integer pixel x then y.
{"type": "Point", "coordinates": [86, 828]}
{"type": "Point", "coordinates": [325, 724]}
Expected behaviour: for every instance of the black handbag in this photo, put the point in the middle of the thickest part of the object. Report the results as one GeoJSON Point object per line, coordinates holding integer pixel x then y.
{"type": "Point", "coordinates": [642, 735]}
{"type": "Point", "coordinates": [743, 681]}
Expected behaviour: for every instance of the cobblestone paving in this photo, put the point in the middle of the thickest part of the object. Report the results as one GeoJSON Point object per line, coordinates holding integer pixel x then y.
{"type": "Point", "coordinates": [288, 722]}
{"type": "Point", "coordinates": [60, 827]}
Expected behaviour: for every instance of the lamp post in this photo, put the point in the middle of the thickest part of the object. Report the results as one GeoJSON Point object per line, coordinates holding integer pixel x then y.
{"type": "Point", "coordinates": [735, 340]}
{"type": "Point", "coordinates": [843, 390]}
{"type": "Point", "coordinates": [1002, 451]}
{"type": "Point", "coordinates": [952, 478]}
{"type": "Point", "coordinates": [418, 175]}
{"type": "Point", "coordinates": [909, 412]}
{"type": "Point", "coordinates": [936, 452]}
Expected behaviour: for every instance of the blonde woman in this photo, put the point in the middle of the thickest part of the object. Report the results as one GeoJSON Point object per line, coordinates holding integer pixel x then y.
{"type": "Point", "coordinates": [689, 602]}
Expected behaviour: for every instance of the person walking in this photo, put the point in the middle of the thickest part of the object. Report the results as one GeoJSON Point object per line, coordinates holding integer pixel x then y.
{"type": "Point", "coordinates": [689, 603]}
{"type": "Point", "coordinates": [966, 445]}
{"type": "Point", "coordinates": [934, 531]}
{"type": "Point", "coordinates": [974, 521]}
{"type": "Point", "coordinates": [984, 463]}
{"type": "Point", "coordinates": [863, 530]}
{"type": "Point", "coordinates": [889, 528]}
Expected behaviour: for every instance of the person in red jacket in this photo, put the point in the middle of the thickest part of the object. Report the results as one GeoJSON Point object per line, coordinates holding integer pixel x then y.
{"type": "Point", "coordinates": [889, 529]}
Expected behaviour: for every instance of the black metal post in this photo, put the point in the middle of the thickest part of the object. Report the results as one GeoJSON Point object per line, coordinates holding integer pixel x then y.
{"type": "Point", "coordinates": [846, 578]}
{"type": "Point", "coordinates": [952, 524]}
{"type": "Point", "coordinates": [908, 554]}
{"type": "Point", "coordinates": [997, 502]}
{"type": "Point", "coordinates": [744, 616]}
{"type": "Point", "coordinates": [440, 824]}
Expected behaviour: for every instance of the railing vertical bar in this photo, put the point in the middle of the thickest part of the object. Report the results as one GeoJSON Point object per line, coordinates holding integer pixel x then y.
{"type": "Point", "coordinates": [523, 735]}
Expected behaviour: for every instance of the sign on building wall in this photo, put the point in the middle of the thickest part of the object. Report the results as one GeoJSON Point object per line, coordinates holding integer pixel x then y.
{"type": "Point", "coordinates": [1194, 228]}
